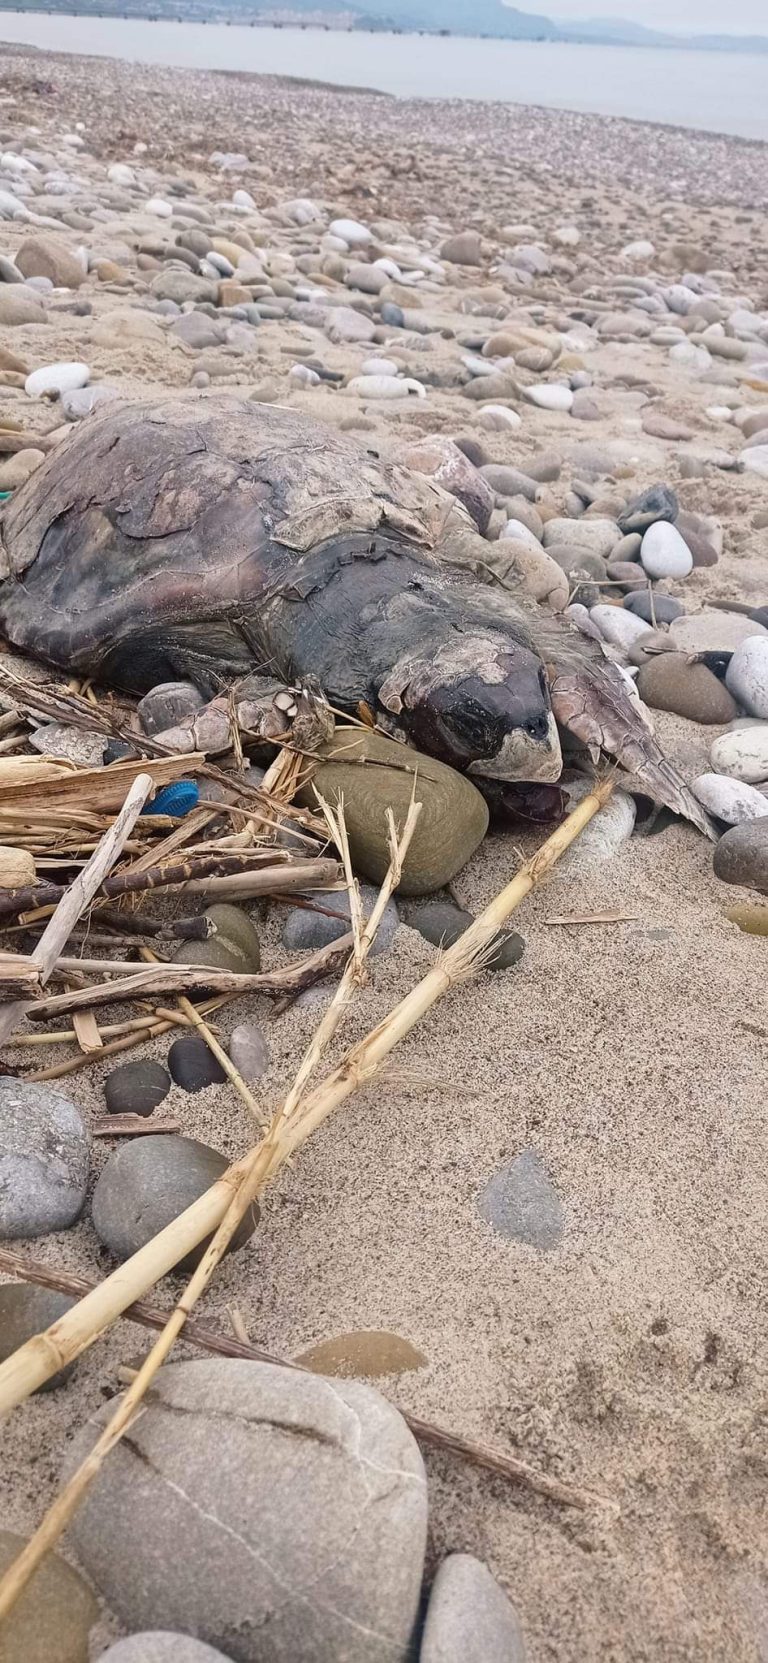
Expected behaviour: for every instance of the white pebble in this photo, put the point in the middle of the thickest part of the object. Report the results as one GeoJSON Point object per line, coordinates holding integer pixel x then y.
{"type": "Point", "coordinates": [747, 675]}
{"type": "Point", "coordinates": [157, 206]}
{"type": "Point", "coordinates": [303, 375]}
{"type": "Point", "coordinates": [385, 386]}
{"type": "Point", "coordinates": [756, 460]}
{"type": "Point", "coordinates": [351, 231]}
{"type": "Point", "coordinates": [693, 357]}
{"type": "Point", "coordinates": [679, 298]}
{"type": "Point", "coordinates": [56, 378]}
{"type": "Point", "coordinates": [719, 413]}
{"type": "Point", "coordinates": [243, 199]}
{"type": "Point", "coordinates": [730, 800]}
{"type": "Point", "coordinates": [379, 366]}
{"type": "Point", "coordinates": [551, 395]}
{"type": "Point", "coordinates": [617, 626]}
{"type": "Point", "coordinates": [496, 418]}
{"type": "Point", "coordinates": [605, 835]}
{"type": "Point", "coordinates": [120, 174]}
{"type": "Point", "coordinates": [520, 533]}
{"type": "Point", "coordinates": [638, 251]}
{"type": "Point", "coordinates": [392, 270]}
{"type": "Point", "coordinates": [664, 553]}
{"type": "Point", "coordinates": [742, 752]}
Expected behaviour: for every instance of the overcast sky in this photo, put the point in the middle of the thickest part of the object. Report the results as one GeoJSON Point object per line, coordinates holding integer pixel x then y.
{"type": "Point", "coordinates": [691, 16]}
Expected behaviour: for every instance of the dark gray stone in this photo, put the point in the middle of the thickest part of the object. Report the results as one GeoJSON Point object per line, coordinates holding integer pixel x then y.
{"type": "Point", "coordinates": [741, 856]}
{"type": "Point", "coordinates": [665, 607]}
{"type": "Point", "coordinates": [442, 923]}
{"type": "Point", "coordinates": [248, 1050]}
{"type": "Point", "coordinates": [44, 1160]}
{"type": "Point", "coordinates": [659, 502]}
{"type": "Point", "coordinates": [304, 931]}
{"type": "Point", "coordinates": [146, 1184]}
{"type": "Point", "coordinates": [469, 1618]}
{"type": "Point", "coordinates": [169, 705]}
{"type": "Point", "coordinates": [301, 1504]}
{"type": "Point", "coordinates": [136, 1087]}
{"type": "Point", "coordinates": [26, 1310]}
{"type": "Point", "coordinates": [520, 1202]}
{"type": "Point", "coordinates": [193, 1066]}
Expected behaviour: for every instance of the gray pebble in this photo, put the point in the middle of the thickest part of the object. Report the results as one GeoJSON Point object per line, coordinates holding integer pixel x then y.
{"type": "Point", "coordinates": [136, 1087]}
{"type": "Point", "coordinates": [147, 1183]}
{"type": "Point", "coordinates": [248, 1050]}
{"type": "Point", "coordinates": [26, 1310]}
{"type": "Point", "coordinates": [442, 923]}
{"type": "Point", "coordinates": [193, 1066]}
{"type": "Point", "coordinates": [44, 1160]}
{"type": "Point", "coordinates": [657, 503]}
{"type": "Point", "coordinates": [469, 1618]}
{"type": "Point", "coordinates": [521, 1203]}
{"type": "Point", "coordinates": [169, 704]}
{"type": "Point", "coordinates": [304, 931]}
{"type": "Point", "coordinates": [663, 610]}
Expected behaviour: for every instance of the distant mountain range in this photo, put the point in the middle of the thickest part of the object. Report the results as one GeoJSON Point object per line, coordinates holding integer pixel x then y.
{"type": "Point", "coordinates": [492, 17]}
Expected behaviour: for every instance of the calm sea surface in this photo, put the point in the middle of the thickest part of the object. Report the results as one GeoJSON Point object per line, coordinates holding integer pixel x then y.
{"type": "Point", "coordinates": [724, 92]}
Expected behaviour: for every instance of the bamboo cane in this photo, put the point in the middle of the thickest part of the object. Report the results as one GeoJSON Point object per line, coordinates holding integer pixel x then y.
{"type": "Point", "coordinates": [46, 1353]}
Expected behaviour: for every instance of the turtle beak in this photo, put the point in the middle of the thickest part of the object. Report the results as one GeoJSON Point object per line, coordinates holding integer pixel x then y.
{"type": "Point", "coordinates": [525, 755]}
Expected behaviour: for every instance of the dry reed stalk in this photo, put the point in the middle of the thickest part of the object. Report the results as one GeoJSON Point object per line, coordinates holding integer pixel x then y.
{"type": "Point", "coordinates": [257, 1168]}
{"type": "Point", "coordinates": [44, 1354]}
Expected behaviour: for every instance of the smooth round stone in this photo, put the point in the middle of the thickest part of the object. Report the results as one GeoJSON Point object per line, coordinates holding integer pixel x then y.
{"type": "Point", "coordinates": [235, 946]}
{"type": "Point", "coordinates": [522, 1204]}
{"type": "Point", "coordinates": [618, 627]}
{"type": "Point", "coordinates": [469, 1618]}
{"type": "Point", "coordinates": [157, 206]}
{"type": "Point", "coordinates": [664, 553]}
{"type": "Point", "coordinates": [659, 502]}
{"type": "Point", "coordinates": [367, 1353]}
{"type": "Point", "coordinates": [351, 232]}
{"type": "Point", "coordinates": [56, 378]}
{"type": "Point", "coordinates": [452, 823]}
{"type": "Point", "coordinates": [136, 1087]}
{"type": "Point", "coordinates": [730, 800]}
{"type": "Point", "coordinates": [442, 923]}
{"type": "Point", "coordinates": [248, 1050]}
{"type": "Point", "coordinates": [147, 1183]}
{"type": "Point", "coordinates": [742, 753]}
{"type": "Point", "coordinates": [747, 675]}
{"type": "Point", "coordinates": [551, 395]}
{"type": "Point", "coordinates": [81, 401]}
{"type": "Point", "coordinates": [598, 535]}
{"type": "Point", "coordinates": [604, 837]}
{"type": "Point", "coordinates": [26, 1310]}
{"type": "Point", "coordinates": [168, 704]}
{"type": "Point", "coordinates": [630, 577]}
{"type": "Point", "coordinates": [54, 1614]}
{"type": "Point", "coordinates": [719, 632]}
{"type": "Point", "coordinates": [669, 682]}
{"type": "Point", "coordinates": [521, 534]}
{"type": "Point", "coordinates": [44, 1160]}
{"type": "Point", "coordinates": [192, 1065]}
{"type": "Point", "coordinates": [752, 920]}
{"type": "Point", "coordinates": [160, 1645]}
{"type": "Point", "coordinates": [318, 1481]}
{"type": "Point", "coordinates": [541, 575]}
{"type": "Point", "coordinates": [656, 609]}
{"type": "Point", "coordinates": [756, 460]}
{"type": "Point", "coordinates": [741, 856]}
{"type": "Point", "coordinates": [497, 418]}
{"type": "Point", "coordinates": [305, 931]}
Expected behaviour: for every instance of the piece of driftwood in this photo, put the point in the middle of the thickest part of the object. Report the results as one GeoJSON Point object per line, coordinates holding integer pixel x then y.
{"type": "Point", "coordinates": [133, 1125]}
{"type": "Point", "coordinates": [146, 1315]}
{"type": "Point", "coordinates": [305, 874]}
{"type": "Point", "coordinates": [100, 789]}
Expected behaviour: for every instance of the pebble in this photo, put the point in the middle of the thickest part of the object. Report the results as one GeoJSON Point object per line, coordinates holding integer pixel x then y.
{"type": "Point", "coordinates": [160, 208]}
{"type": "Point", "coordinates": [192, 1064]}
{"type": "Point", "coordinates": [741, 856]}
{"type": "Point", "coordinates": [469, 1618]}
{"type": "Point", "coordinates": [167, 704]}
{"type": "Point", "coordinates": [664, 553]}
{"type": "Point", "coordinates": [286, 1469]}
{"type": "Point", "coordinates": [742, 752]}
{"type": "Point", "coordinates": [659, 502]}
{"type": "Point", "coordinates": [463, 250]}
{"type": "Point", "coordinates": [386, 386]}
{"type": "Point", "coordinates": [26, 1310]}
{"type": "Point", "coordinates": [82, 401]}
{"type": "Point", "coordinates": [160, 1645]}
{"type": "Point", "coordinates": [520, 1202]}
{"type": "Point", "coordinates": [452, 823]}
{"type": "Point", "coordinates": [598, 535]}
{"type": "Point", "coordinates": [136, 1087]}
{"type": "Point", "coordinates": [653, 609]}
{"type": "Point", "coordinates": [604, 837]}
{"type": "Point", "coordinates": [728, 799]}
{"type": "Point", "coordinates": [747, 675]}
{"type": "Point", "coordinates": [249, 1051]}
{"type": "Point", "coordinates": [366, 1354]}
{"type": "Point", "coordinates": [147, 1182]}
{"type": "Point", "coordinates": [305, 931]}
{"type": "Point", "coordinates": [54, 1614]}
{"type": "Point", "coordinates": [550, 396]}
{"type": "Point", "coordinates": [55, 739]}
{"type": "Point", "coordinates": [442, 923]}
{"type": "Point", "coordinates": [56, 378]}
{"type": "Point", "coordinates": [497, 418]}
{"type": "Point", "coordinates": [720, 632]}
{"type": "Point", "coordinates": [668, 681]}
{"type": "Point", "coordinates": [19, 306]}
{"type": "Point", "coordinates": [351, 232]}
{"type": "Point", "coordinates": [618, 627]}
{"type": "Point", "coordinates": [541, 575]}
{"type": "Point", "coordinates": [752, 920]}
{"type": "Point", "coordinates": [755, 461]}
{"type": "Point", "coordinates": [19, 468]}
{"type": "Point", "coordinates": [52, 258]}
{"type": "Point", "coordinates": [44, 1160]}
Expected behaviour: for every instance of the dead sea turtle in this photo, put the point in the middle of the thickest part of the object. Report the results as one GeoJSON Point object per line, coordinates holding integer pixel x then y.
{"type": "Point", "coordinates": [213, 538]}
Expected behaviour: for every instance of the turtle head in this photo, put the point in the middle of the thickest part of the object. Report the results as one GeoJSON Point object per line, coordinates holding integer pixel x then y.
{"type": "Point", "coordinates": [479, 702]}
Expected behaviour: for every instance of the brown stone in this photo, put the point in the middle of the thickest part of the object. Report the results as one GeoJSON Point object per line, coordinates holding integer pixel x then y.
{"type": "Point", "coordinates": [52, 1618]}
{"type": "Point", "coordinates": [50, 257]}
{"type": "Point", "coordinates": [670, 682]}
{"type": "Point", "coordinates": [232, 293]}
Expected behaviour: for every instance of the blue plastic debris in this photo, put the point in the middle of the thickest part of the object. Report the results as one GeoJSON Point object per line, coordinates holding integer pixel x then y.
{"type": "Point", "coordinates": [176, 799]}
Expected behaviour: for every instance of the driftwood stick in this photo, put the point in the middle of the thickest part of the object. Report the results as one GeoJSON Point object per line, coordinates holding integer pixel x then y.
{"type": "Point", "coordinates": [80, 894]}
{"type": "Point", "coordinates": [133, 1125]}
{"type": "Point", "coordinates": [186, 978]}
{"type": "Point", "coordinates": [304, 874]}
{"type": "Point", "coordinates": [146, 1315]}
{"type": "Point", "coordinates": [46, 1353]}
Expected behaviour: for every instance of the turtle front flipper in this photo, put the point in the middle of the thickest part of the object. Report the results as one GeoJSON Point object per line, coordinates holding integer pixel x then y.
{"type": "Point", "coordinates": [594, 703]}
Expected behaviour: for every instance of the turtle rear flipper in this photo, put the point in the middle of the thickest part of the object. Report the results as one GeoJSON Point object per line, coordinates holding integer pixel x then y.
{"type": "Point", "coordinates": [594, 704]}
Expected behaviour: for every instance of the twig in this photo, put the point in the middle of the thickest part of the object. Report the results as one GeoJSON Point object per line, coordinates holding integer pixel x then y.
{"type": "Point", "coordinates": [133, 1125]}
{"type": "Point", "coordinates": [46, 1353]}
{"type": "Point", "coordinates": [593, 918]}
{"type": "Point", "coordinates": [193, 873]}
{"type": "Point", "coordinates": [146, 1315]}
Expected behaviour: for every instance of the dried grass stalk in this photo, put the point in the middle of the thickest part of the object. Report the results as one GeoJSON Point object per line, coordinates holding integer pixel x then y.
{"type": "Point", "coordinates": [41, 1356]}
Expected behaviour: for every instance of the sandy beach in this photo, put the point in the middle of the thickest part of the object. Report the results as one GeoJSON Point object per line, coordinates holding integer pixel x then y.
{"type": "Point", "coordinates": [629, 1057]}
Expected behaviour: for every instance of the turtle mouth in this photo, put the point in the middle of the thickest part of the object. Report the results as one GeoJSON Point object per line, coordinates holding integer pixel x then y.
{"type": "Point", "coordinates": [524, 754]}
